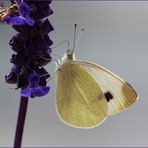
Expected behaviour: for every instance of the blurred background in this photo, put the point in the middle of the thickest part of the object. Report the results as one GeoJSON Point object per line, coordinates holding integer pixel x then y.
{"type": "Point", "coordinates": [116, 37]}
{"type": "Point", "coordinates": [5, 3]}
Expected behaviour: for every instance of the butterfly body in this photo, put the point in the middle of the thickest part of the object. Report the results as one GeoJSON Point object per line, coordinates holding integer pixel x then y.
{"type": "Point", "coordinates": [87, 93]}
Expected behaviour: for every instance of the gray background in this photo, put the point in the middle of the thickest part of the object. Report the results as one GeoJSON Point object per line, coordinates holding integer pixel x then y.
{"type": "Point", "coordinates": [116, 37]}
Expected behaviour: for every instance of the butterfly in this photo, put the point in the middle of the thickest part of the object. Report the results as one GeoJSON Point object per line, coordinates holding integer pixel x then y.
{"type": "Point", "coordinates": [87, 93]}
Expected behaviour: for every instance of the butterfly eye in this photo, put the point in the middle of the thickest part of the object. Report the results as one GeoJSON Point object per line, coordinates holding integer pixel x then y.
{"type": "Point", "coordinates": [108, 96]}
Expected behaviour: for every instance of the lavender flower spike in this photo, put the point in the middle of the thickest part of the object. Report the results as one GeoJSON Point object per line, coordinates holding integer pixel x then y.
{"type": "Point", "coordinates": [31, 46]}
{"type": "Point", "coordinates": [34, 89]}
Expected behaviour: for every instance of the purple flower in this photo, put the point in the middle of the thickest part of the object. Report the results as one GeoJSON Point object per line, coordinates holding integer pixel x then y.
{"type": "Point", "coordinates": [24, 10]}
{"type": "Point", "coordinates": [17, 42]}
{"type": "Point", "coordinates": [24, 18]}
{"type": "Point", "coordinates": [34, 89]}
{"type": "Point", "coordinates": [13, 76]}
{"type": "Point", "coordinates": [40, 8]}
{"type": "Point", "coordinates": [19, 20]}
{"type": "Point", "coordinates": [42, 59]}
{"type": "Point", "coordinates": [32, 47]}
{"type": "Point", "coordinates": [41, 28]}
{"type": "Point", "coordinates": [18, 59]}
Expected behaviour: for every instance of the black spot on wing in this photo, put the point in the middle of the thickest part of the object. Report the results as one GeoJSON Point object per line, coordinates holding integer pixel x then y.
{"type": "Point", "coordinates": [108, 96]}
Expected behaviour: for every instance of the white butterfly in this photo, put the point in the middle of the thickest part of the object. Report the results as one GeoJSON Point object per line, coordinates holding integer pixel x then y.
{"type": "Point", "coordinates": [87, 93]}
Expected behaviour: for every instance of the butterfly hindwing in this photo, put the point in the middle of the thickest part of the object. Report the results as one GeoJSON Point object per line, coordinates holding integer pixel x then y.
{"type": "Point", "coordinates": [121, 94]}
{"type": "Point", "coordinates": [80, 101]}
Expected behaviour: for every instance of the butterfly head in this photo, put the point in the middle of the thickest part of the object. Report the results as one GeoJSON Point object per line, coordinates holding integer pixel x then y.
{"type": "Point", "coordinates": [67, 58]}
{"type": "Point", "coordinates": [70, 55]}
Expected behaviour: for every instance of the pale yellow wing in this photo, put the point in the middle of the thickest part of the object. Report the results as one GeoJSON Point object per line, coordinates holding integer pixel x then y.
{"type": "Point", "coordinates": [123, 93]}
{"type": "Point", "coordinates": [80, 101]}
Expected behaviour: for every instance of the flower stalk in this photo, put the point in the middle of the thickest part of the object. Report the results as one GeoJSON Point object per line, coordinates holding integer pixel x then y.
{"type": "Point", "coordinates": [21, 122]}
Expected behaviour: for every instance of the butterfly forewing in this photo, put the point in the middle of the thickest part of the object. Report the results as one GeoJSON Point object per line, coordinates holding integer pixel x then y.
{"type": "Point", "coordinates": [123, 95]}
{"type": "Point", "coordinates": [80, 101]}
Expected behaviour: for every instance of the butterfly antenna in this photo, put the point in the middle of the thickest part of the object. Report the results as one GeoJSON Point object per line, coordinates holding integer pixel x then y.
{"type": "Point", "coordinates": [74, 42]}
{"type": "Point", "coordinates": [80, 34]}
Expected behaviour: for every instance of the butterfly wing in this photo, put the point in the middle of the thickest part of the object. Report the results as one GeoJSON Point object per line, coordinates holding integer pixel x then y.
{"type": "Point", "coordinates": [80, 101]}
{"type": "Point", "coordinates": [123, 94]}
